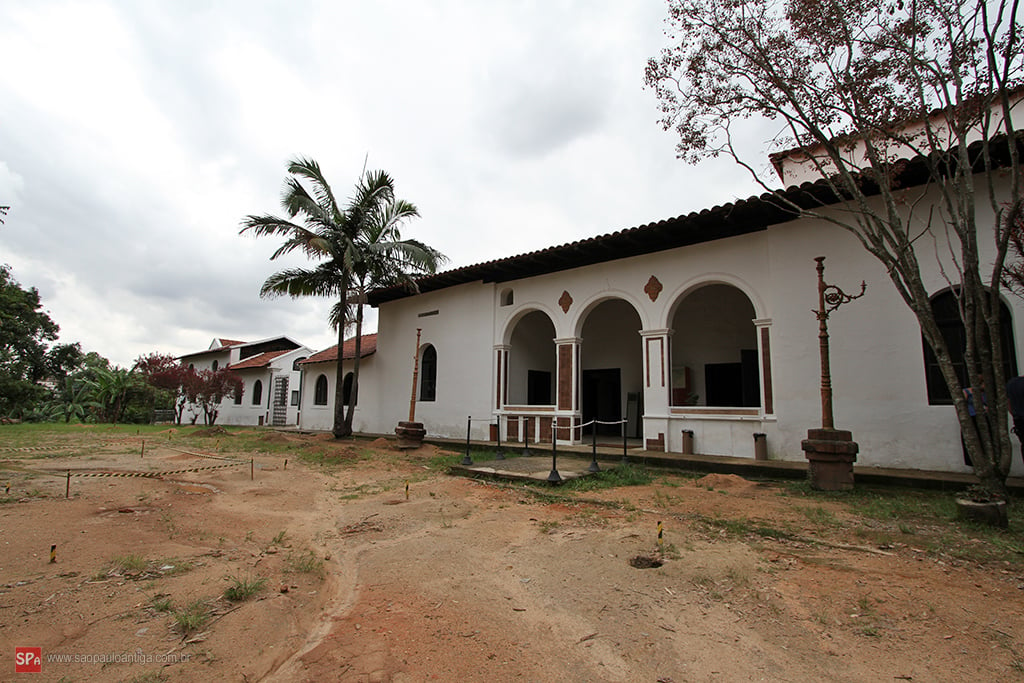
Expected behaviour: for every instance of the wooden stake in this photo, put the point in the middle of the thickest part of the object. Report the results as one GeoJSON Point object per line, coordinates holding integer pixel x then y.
{"type": "Point", "coordinates": [415, 376]}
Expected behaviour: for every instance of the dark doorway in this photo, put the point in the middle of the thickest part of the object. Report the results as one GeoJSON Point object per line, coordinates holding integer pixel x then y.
{"type": "Point", "coordinates": [723, 384]}
{"type": "Point", "coordinates": [602, 399]}
{"type": "Point", "coordinates": [734, 385]}
{"type": "Point", "coordinates": [538, 388]}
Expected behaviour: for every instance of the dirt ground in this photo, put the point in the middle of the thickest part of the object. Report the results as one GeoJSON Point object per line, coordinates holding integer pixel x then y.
{"type": "Point", "coordinates": [467, 580]}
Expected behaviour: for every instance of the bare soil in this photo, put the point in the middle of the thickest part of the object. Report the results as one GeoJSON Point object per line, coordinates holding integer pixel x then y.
{"type": "Point", "coordinates": [466, 580]}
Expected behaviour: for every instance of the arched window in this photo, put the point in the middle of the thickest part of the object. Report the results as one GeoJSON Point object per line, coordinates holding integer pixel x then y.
{"type": "Point", "coordinates": [507, 297]}
{"type": "Point", "coordinates": [346, 389]}
{"type": "Point", "coordinates": [215, 365]}
{"type": "Point", "coordinates": [947, 317]}
{"type": "Point", "coordinates": [257, 393]}
{"type": "Point", "coordinates": [320, 391]}
{"type": "Point", "coordinates": [238, 395]}
{"type": "Point", "coordinates": [428, 373]}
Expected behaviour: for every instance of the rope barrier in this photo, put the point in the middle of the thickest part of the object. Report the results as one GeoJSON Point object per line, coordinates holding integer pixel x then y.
{"type": "Point", "coordinates": [202, 455]}
{"type": "Point", "coordinates": [155, 474]}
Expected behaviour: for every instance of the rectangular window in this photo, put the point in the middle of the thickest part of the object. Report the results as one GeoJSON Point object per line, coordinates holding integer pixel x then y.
{"type": "Point", "coordinates": [295, 397]}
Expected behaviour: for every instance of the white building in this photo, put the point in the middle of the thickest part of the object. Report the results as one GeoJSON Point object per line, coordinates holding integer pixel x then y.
{"type": "Point", "coordinates": [271, 378]}
{"type": "Point", "coordinates": [319, 380]}
{"type": "Point", "coordinates": [701, 323]}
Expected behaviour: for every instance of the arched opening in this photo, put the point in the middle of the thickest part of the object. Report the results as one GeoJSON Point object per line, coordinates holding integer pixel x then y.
{"type": "Point", "coordinates": [947, 316]}
{"type": "Point", "coordinates": [257, 393]}
{"type": "Point", "coordinates": [532, 361]}
{"type": "Point", "coordinates": [346, 389]}
{"type": "Point", "coordinates": [506, 298]}
{"type": "Point", "coordinates": [428, 373]}
{"type": "Point", "coordinates": [215, 365]}
{"type": "Point", "coordinates": [320, 391]}
{"type": "Point", "coordinates": [611, 368]}
{"type": "Point", "coordinates": [714, 349]}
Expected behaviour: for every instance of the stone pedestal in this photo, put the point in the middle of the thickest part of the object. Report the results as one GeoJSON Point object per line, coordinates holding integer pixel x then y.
{"type": "Point", "coordinates": [830, 456]}
{"type": "Point", "coordinates": [410, 434]}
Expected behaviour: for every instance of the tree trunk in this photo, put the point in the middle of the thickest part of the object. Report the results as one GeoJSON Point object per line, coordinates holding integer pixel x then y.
{"type": "Point", "coordinates": [341, 430]}
{"type": "Point", "coordinates": [354, 393]}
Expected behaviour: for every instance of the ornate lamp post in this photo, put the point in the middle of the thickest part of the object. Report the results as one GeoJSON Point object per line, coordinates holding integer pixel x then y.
{"type": "Point", "coordinates": [830, 452]}
{"type": "Point", "coordinates": [411, 433]}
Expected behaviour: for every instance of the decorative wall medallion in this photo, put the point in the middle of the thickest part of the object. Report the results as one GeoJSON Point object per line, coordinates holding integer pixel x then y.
{"type": "Point", "coordinates": [565, 301]}
{"type": "Point", "coordinates": [653, 288]}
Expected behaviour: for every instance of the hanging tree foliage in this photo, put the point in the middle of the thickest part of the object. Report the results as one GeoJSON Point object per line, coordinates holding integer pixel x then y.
{"type": "Point", "coordinates": [873, 93]}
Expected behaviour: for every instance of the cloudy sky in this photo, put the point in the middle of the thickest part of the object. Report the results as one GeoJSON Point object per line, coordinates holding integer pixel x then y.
{"type": "Point", "coordinates": [134, 137]}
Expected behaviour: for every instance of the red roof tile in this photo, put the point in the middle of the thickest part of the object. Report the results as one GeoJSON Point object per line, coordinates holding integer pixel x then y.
{"type": "Point", "coordinates": [260, 361]}
{"type": "Point", "coordinates": [368, 347]}
{"type": "Point", "coordinates": [228, 342]}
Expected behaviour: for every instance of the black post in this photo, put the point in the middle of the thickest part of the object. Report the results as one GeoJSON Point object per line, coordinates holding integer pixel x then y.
{"type": "Point", "coordinates": [469, 423]}
{"type": "Point", "coordinates": [593, 449]}
{"type": "Point", "coordinates": [524, 423]}
{"type": "Point", "coordinates": [554, 477]}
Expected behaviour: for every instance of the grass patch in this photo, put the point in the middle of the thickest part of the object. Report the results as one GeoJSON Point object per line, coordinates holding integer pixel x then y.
{"type": "Point", "coordinates": [127, 564]}
{"type": "Point", "coordinates": [161, 603]}
{"type": "Point", "coordinates": [191, 618]}
{"type": "Point", "coordinates": [547, 526]}
{"type": "Point", "coordinates": [820, 516]}
{"type": "Point", "coordinates": [445, 460]}
{"type": "Point", "coordinates": [305, 563]}
{"type": "Point", "coordinates": [621, 475]}
{"type": "Point", "coordinates": [743, 527]}
{"type": "Point", "coordinates": [241, 590]}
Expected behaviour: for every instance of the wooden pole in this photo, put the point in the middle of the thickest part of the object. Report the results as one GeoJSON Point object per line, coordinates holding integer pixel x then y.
{"type": "Point", "coordinates": [415, 376]}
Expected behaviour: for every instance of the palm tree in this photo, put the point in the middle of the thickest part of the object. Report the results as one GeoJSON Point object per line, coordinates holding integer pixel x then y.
{"type": "Point", "coordinates": [320, 228]}
{"type": "Point", "coordinates": [384, 259]}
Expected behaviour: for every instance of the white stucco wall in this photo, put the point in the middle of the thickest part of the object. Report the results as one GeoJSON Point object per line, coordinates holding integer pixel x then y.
{"type": "Point", "coordinates": [461, 332]}
{"type": "Point", "coordinates": [321, 418]}
{"type": "Point", "coordinates": [877, 362]}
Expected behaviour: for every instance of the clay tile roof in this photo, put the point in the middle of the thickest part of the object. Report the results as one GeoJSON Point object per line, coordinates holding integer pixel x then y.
{"type": "Point", "coordinates": [260, 361]}
{"type": "Point", "coordinates": [369, 346]}
{"type": "Point", "coordinates": [229, 342]}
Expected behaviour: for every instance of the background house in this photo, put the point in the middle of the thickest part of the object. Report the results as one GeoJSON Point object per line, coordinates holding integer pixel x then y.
{"type": "Point", "coordinates": [319, 379]}
{"type": "Point", "coordinates": [271, 378]}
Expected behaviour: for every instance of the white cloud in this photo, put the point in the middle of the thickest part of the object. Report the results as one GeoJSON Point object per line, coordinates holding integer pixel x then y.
{"type": "Point", "coordinates": [134, 137]}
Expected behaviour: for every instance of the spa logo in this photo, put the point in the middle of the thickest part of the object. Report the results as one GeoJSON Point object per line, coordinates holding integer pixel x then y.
{"type": "Point", "coordinates": [28, 660]}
